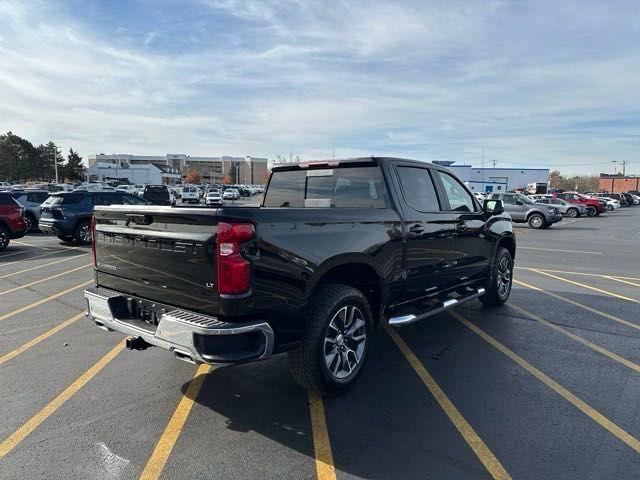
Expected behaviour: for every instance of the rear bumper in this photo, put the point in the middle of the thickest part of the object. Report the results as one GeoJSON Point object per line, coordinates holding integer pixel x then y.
{"type": "Point", "coordinates": [191, 336]}
{"type": "Point", "coordinates": [14, 234]}
{"type": "Point", "coordinates": [55, 227]}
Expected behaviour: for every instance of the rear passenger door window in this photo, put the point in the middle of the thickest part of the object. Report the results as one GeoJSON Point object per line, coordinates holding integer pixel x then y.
{"type": "Point", "coordinates": [418, 189]}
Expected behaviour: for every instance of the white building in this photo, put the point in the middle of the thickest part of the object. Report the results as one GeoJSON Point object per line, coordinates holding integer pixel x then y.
{"type": "Point", "coordinates": [497, 179]}
{"type": "Point", "coordinates": [172, 167]}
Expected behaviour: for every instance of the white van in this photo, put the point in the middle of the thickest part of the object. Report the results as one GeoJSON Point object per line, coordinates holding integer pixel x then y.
{"type": "Point", "coordinates": [190, 194]}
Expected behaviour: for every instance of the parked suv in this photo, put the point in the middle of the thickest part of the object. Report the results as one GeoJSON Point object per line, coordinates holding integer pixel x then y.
{"type": "Point", "coordinates": [31, 201]}
{"type": "Point", "coordinates": [594, 206]}
{"type": "Point", "coordinates": [524, 210]}
{"type": "Point", "coordinates": [12, 224]}
{"type": "Point", "coordinates": [159, 195]}
{"type": "Point", "coordinates": [68, 215]}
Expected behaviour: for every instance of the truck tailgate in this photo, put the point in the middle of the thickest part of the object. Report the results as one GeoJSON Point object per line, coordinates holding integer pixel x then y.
{"type": "Point", "coordinates": [158, 253]}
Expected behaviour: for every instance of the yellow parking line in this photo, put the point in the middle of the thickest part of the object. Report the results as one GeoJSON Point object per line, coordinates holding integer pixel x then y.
{"type": "Point", "coordinates": [325, 469]}
{"type": "Point", "coordinates": [580, 305]}
{"type": "Point", "coordinates": [43, 300]}
{"type": "Point", "coordinates": [613, 356]}
{"type": "Point", "coordinates": [20, 287]}
{"type": "Point", "coordinates": [34, 257]}
{"type": "Point", "coordinates": [40, 266]}
{"type": "Point", "coordinates": [488, 459]}
{"type": "Point", "coordinates": [573, 282]}
{"type": "Point", "coordinates": [161, 453]}
{"type": "Point", "coordinates": [31, 245]}
{"type": "Point", "coordinates": [578, 273]}
{"type": "Point", "coordinates": [14, 353]}
{"type": "Point", "coordinates": [616, 279]}
{"type": "Point", "coordinates": [34, 422]}
{"type": "Point", "coordinates": [578, 403]}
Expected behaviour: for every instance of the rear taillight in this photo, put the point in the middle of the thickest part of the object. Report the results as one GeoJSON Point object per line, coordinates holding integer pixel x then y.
{"type": "Point", "coordinates": [93, 240]}
{"type": "Point", "coordinates": [234, 271]}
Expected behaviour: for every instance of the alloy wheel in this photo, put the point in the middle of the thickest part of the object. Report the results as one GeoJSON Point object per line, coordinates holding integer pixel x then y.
{"type": "Point", "coordinates": [345, 342]}
{"type": "Point", "coordinates": [85, 233]}
{"type": "Point", "coordinates": [504, 277]}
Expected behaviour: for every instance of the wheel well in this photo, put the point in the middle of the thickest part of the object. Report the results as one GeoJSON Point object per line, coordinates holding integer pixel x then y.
{"type": "Point", "coordinates": [360, 276]}
{"type": "Point", "coordinates": [2, 224]}
{"type": "Point", "coordinates": [509, 244]}
{"type": "Point", "coordinates": [534, 213]}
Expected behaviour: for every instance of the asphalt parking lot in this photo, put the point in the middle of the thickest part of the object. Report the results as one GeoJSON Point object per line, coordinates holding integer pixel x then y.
{"type": "Point", "coordinates": [547, 387]}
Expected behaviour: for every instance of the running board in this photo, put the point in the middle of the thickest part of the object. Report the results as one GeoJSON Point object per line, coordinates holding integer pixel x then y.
{"type": "Point", "coordinates": [402, 320]}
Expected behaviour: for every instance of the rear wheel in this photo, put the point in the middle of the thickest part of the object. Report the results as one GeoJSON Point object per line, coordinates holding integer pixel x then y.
{"type": "Point", "coordinates": [536, 220]}
{"type": "Point", "coordinates": [4, 237]}
{"type": "Point", "coordinates": [499, 283]}
{"type": "Point", "coordinates": [591, 211]}
{"type": "Point", "coordinates": [573, 212]}
{"type": "Point", "coordinates": [82, 234]}
{"type": "Point", "coordinates": [32, 223]}
{"type": "Point", "coordinates": [336, 342]}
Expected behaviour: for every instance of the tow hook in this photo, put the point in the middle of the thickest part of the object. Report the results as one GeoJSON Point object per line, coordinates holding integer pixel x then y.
{"type": "Point", "coordinates": [136, 343]}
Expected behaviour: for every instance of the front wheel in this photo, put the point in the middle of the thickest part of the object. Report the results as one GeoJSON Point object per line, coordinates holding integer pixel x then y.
{"type": "Point", "coordinates": [499, 283]}
{"type": "Point", "coordinates": [536, 221]}
{"type": "Point", "coordinates": [32, 223]}
{"type": "Point", "coordinates": [591, 211]}
{"type": "Point", "coordinates": [336, 341]}
{"type": "Point", "coordinates": [573, 212]}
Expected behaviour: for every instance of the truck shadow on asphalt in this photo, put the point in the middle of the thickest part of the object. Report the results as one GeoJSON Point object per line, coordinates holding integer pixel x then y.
{"type": "Point", "coordinates": [381, 428]}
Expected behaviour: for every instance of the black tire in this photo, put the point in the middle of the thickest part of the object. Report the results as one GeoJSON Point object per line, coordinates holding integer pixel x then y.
{"type": "Point", "coordinates": [82, 233]}
{"type": "Point", "coordinates": [610, 207]}
{"type": "Point", "coordinates": [498, 285]}
{"type": "Point", "coordinates": [310, 362]}
{"type": "Point", "coordinates": [536, 221]}
{"type": "Point", "coordinates": [573, 212]}
{"type": "Point", "coordinates": [32, 223]}
{"type": "Point", "coordinates": [4, 237]}
{"type": "Point", "coordinates": [591, 211]}
{"type": "Point", "coordinates": [65, 238]}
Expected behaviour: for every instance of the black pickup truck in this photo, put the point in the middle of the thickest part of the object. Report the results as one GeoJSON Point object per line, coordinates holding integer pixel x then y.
{"type": "Point", "coordinates": [336, 250]}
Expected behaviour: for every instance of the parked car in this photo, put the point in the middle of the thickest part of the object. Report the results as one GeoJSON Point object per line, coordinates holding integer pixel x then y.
{"type": "Point", "coordinates": [68, 215]}
{"type": "Point", "coordinates": [631, 200]}
{"type": "Point", "coordinates": [565, 208]}
{"type": "Point", "coordinates": [190, 193]}
{"type": "Point", "coordinates": [31, 201]}
{"type": "Point", "coordinates": [132, 189]}
{"type": "Point", "coordinates": [159, 195]}
{"type": "Point", "coordinates": [480, 196]}
{"type": "Point", "coordinates": [231, 194]}
{"type": "Point", "coordinates": [12, 223]}
{"type": "Point", "coordinates": [524, 210]}
{"type": "Point", "coordinates": [333, 252]}
{"type": "Point", "coordinates": [611, 203]}
{"type": "Point", "coordinates": [213, 198]}
{"type": "Point", "coordinates": [594, 206]}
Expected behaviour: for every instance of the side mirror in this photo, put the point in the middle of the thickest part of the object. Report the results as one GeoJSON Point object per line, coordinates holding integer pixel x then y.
{"type": "Point", "coordinates": [493, 207]}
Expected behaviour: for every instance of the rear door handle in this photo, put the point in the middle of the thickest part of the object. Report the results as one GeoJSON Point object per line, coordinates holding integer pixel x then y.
{"type": "Point", "coordinates": [416, 229]}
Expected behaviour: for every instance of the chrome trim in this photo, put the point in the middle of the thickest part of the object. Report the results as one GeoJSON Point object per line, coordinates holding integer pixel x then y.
{"type": "Point", "coordinates": [408, 319]}
{"type": "Point", "coordinates": [175, 328]}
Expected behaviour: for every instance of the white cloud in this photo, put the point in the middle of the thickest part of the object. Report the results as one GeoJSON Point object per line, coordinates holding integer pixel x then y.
{"type": "Point", "coordinates": [430, 80]}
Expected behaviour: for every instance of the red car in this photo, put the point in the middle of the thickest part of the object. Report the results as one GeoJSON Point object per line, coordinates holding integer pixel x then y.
{"type": "Point", "coordinates": [12, 224]}
{"type": "Point", "coordinates": [594, 206]}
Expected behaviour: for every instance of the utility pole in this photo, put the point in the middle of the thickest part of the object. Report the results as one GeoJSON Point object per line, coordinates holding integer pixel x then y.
{"type": "Point", "coordinates": [55, 162]}
{"type": "Point", "coordinates": [615, 166]}
{"type": "Point", "coordinates": [483, 185]}
{"type": "Point", "coordinates": [494, 163]}
{"type": "Point", "coordinates": [624, 167]}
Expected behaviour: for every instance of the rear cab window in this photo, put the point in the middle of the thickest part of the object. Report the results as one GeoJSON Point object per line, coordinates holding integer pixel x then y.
{"type": "Point", "coordinates": [339, 187]}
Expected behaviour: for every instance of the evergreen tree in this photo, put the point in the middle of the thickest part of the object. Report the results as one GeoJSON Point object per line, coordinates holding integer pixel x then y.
{"type": "Point", "coordinates": [74, 170]}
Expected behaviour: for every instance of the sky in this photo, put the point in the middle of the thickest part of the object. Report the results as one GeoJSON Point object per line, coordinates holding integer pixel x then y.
{"type": "Point", "coordinates": [526, 83]}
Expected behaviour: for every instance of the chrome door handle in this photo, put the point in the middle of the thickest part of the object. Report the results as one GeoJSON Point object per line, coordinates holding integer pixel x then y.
{"type": "Point", "coordinates": [416, 229]}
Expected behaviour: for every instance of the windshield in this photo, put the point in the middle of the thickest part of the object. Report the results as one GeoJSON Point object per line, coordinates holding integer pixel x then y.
{"type": "Point", "coordinates": [525, 199]}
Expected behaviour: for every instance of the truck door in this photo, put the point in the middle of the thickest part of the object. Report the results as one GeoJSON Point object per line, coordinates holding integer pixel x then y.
{"type": "Point", "coordinates": [429, 234]}
{"type": "Point", "coordinates": [473, 250]}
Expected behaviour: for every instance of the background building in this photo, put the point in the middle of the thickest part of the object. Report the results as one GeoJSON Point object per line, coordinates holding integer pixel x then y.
{"type": "Point", "coordinates": [497, 179]}
{"type": "Point", "coordinates": [618, 183]}
{"type": "Point", "coordinates": [172, 167]}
